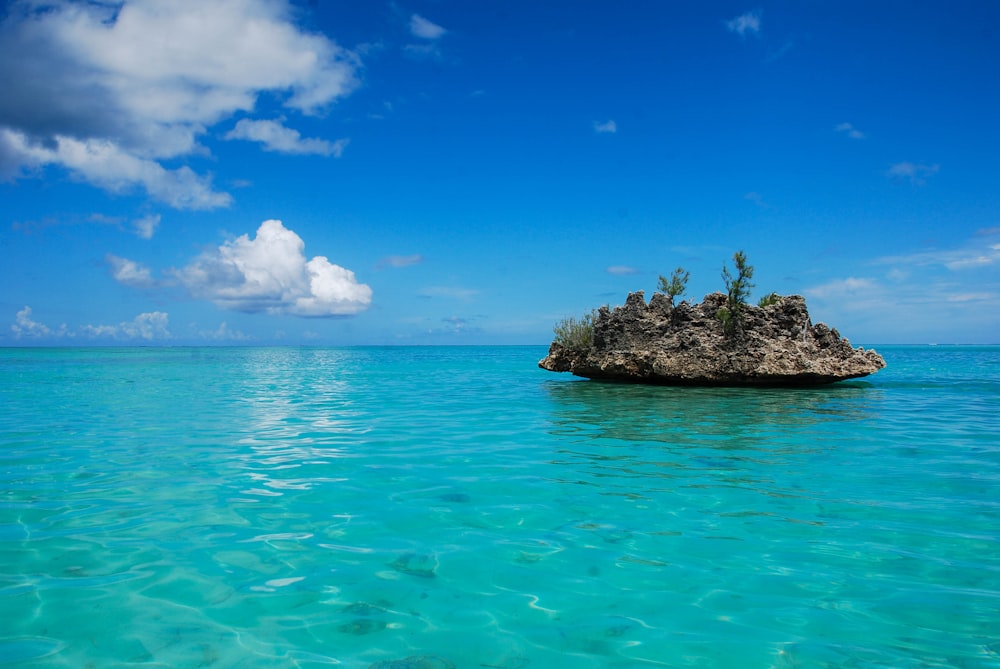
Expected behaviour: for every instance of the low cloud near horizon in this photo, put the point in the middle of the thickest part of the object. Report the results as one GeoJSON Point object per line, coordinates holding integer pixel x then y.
{"type": "Point", "coordinates": [148, 326]}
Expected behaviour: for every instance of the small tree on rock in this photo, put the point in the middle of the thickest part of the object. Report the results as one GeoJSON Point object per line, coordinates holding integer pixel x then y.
{"type": "Point", "coordinates": [737, 292]}
{"type": "Point", "coordinates": [676, 285]}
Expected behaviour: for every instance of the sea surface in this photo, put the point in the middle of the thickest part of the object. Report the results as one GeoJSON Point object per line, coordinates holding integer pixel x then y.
{"type": "Point", "coordinates": [430, 508]}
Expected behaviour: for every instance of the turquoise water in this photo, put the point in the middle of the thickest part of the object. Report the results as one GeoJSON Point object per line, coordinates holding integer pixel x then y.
{"type": "Point", "coordinates": [426, 508]}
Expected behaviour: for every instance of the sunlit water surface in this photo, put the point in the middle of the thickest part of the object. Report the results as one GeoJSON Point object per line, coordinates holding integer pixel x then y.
{"type": "Point", "coordinates": [427, 508]}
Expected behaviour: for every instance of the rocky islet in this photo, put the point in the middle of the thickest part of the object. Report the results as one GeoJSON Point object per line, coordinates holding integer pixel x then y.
{"type": "Point", "coordinates": [686, 344]}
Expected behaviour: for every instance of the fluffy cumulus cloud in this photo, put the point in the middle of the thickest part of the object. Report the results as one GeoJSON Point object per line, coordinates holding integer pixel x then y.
{"type": "Point", "coordinates": [25, 326]}
{"type": "Point", "coordinates": [270, 274]}
{"type": "Point", "coordinates": [276, 137]}
{"type": "Point", "coordinates": [110, 90]}
{"type": "Point", "coordinates": [748, 23]}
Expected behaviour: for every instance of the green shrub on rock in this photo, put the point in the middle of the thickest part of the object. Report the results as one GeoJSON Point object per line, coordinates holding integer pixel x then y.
{"type": "Point", "coordinates": [576, 334]}
{"type": "Point", "coordinates": [768, 300]}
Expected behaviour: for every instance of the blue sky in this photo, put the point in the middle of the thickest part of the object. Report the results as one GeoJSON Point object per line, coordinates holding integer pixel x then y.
{"type": "Point", "coordinates": [444, 172]}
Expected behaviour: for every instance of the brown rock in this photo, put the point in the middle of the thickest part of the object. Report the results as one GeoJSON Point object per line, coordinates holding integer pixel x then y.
{"type": "Point", "coordinates": [686, 345]}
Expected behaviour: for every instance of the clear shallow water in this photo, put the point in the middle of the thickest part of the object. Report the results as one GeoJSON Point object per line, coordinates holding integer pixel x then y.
{"type": "Point", "coordinates": [288, 507]}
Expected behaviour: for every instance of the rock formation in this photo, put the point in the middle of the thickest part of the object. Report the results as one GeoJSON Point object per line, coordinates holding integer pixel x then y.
{"type": "Point", "coordinates": [686, 345]}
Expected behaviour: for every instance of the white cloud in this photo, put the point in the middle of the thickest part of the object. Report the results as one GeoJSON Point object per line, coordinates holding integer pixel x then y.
{"type": "Point", "coordinates": [147, 326]}
{"type": "Point", "coordinates": [104, 163]}
{"type": "Point", "coordinates": [421, 27]}
{"type": "Point", "coordinates": [129, 273]}
{"type": "Point", "coordinates": [108, 90]}
{"type": "Point", "coordinates": [748, 22]}
{"type": "Point", "coordinates": [270, 274]}
{"type": "Point", "coordinates": [621, 270]}
{"type": "Point", "coordinates": [914, 172]}
{"type": "Point", "coordinates": [146, 226]}
{"type": "Point", "coordinates": [276, 137]}
{"type": "Point", "coordinates": [428, 31]}
{"type": "Point", "coordinates": [973, 297]}
{"type": "Point", "coordinates": [606, 127]}
{"type": "Point", "coordinates": [842, 288]}
{"type": "Point", "coordinates": [849, 130]}
{"type": "Point", "coordinates": [945, 295]}
{"type": "Point", "coordinates": [967, 258]}
{"type": "Point", "coordinates": [25, 326]}
{"type": "Point", "coordinates": [224, 333]}
{"type": "Point", "coordinates": [756, 198]}
{"type": "Point", "coordinates": [897, 275]}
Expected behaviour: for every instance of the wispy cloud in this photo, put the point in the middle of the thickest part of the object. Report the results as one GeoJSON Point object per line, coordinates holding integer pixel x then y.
{"type": "Point", "coordinates": [747, 23]}
{"type": "Point", "coordinates": [128, 86]}
{"type": "Point", "coordinates": [757, 199]}
{"type": "Point", "coordinates": [950, 294]}
{"type": "Point", "coordinates": [621, 270]}
{"type": "Point", "coordinates": [849, 130]}
{"type": "Point", "coordinates": [400, 261]}
{"type": "Point", "coordinates": [424, 29]}
{"type": "Point", "coordinates": [224, 333]}
{"type": "Point", "coordinates": [915, 173]}
{"type": "Point", "coordinates": [606, 127]}
{"type": "Point", "coordinates": [452, 292]}
{"type": "Point", "coordinates": [457, 325]}
{"type": "Point", "coordinates": [274, 136]}
{"type": "Point", "coordinates": [145, 227]}
{"type": "Point", "coordinates": [842, 288]}
{"type": "Point", "coordinates": [430, 33]}
{"type": "Point", "coordinates": [781, 52]}
{"type": "Point", "coordinates": [956, 260]}
{"type": "Point", "coordinates": [270, 274]}
{"type": "Point", "coordinates": [973, 297]}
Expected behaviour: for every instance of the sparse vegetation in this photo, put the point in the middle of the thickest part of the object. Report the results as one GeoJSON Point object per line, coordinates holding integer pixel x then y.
{"type": "Point", "coordinates": [737, 292]}
{"type": "Point", "coordinates": [768, 300]}
{"type": "Point", "coordinates": [676, 285]}
{"type": "Point", "coordinates": [576, 334]}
